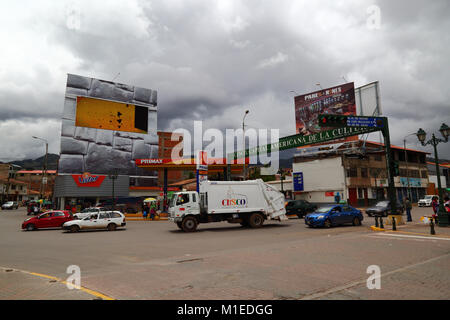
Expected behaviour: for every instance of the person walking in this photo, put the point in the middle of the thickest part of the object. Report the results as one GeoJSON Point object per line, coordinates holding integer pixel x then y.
{"type": "Point", "coordinates": [152, 212]}
{"type": "Point", "coordinates": [435, 205]}
{"type": "Point", "coordinates": [408, 207]}
{"type": "Point", "coordinates": [337, 198]}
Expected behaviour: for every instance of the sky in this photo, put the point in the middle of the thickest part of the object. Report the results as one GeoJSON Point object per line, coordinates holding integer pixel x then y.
{"type": "Point", "coordinates": [212, 60]}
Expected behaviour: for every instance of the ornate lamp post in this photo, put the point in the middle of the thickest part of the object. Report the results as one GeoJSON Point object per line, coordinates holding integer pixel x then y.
{"type": "Point", "coordinates": [443, 217]}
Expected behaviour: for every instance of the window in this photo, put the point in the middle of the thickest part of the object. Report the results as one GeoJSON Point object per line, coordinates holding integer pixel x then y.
{"type": "Point", "coordinates": [58, 214]}
{"type": "Point", "coordinates": [115, 215]}
{"type": "Point", "coordinates": [13, 187]}
{"type": "Point", "coordinates": [424, 174]}
{"type": "Point", "coordinates": [104, 215]}
{"type": "Point", "coordinates": [364, 172]}
{"type": "Point", "coordinates": [360, 193]}
{"type": "Point", "coordinates": [415, 173]}
{"type": "Point", "coordinates": [352, 172]}
{"type": "Point", "coordinates": [194, 198]}
{"type": "Point", "coordinates": [183, 198]}
{"type": "Point", "coordinates": [377, 157]}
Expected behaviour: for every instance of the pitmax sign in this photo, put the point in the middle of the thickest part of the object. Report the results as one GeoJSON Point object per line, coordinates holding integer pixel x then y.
{"type": "Point", "coordinates": [88, 180]}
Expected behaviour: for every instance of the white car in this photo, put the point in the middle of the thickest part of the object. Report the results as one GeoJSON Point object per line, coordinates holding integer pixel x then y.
{"type": "Point", "coordinates": [10, 205]}
{"type": "Point", "coordinates": [109, 220]}
{"type": "Point", "coordinates": [86, 212]}
{"type": "Point", "coordinates": [426, 202]}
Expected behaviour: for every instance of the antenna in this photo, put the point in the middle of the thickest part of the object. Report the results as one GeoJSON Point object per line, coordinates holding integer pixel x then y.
{"type": "Point", "coordinates": [344, 79]}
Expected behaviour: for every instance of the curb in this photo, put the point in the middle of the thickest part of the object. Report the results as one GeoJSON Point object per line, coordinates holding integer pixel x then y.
{"type": "Point", "coordinates": [40, 275]}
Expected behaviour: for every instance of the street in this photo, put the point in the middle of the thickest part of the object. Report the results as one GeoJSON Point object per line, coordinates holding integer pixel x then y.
{"type": "Point", "coordinates": [281, 260]}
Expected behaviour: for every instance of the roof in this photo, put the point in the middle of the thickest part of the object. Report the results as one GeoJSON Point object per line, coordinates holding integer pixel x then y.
{"type": "Point", "coordinates": [444, 165]}
{"type": "Point", "coordinates": [396, 147]}
{"type": "Point", "coordinates": [12, 181]}
{"type": "Point", "coordinates": [183, 182]}
{"type": "Point", "coordinates": [36, 171]}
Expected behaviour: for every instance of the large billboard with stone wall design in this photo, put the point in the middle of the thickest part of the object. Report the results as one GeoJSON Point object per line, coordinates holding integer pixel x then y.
{"type": "Point", "coordinates": [106, 126]}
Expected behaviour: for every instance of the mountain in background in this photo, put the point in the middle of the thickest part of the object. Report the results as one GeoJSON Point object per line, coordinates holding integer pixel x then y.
{"type": "Point", "coordinates": [38, 164]}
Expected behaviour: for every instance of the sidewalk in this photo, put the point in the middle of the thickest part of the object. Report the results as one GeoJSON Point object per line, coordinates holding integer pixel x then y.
{"type": "Point", "coordinates": [23, 285]}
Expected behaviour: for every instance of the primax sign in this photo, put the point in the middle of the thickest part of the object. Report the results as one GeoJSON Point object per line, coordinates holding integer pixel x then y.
{"type": "Point", "coordinates": [299, 140]}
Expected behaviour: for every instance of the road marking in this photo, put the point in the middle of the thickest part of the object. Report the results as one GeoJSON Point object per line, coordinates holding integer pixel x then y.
{"type": "Point", "coordinates": [411, 236]}
{"type": "Point", "coordinates": [89, 291]}
{"type": "Point", "coordinates": [363, 281]}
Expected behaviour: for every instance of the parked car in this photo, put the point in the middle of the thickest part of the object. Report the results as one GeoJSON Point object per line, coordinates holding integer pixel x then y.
{"type": "Point", "coordinates": [10, 205]}
{"type": "Point", "coordinates": [109, 220]}
{"type": "Point", "coordinates": [334, 215]}
{"type": "Point", "coordinates": [426, 202]}
{"type": "Point", "coordinates": [299, 207]}
{"type": "Point", "coordinates": [86, 212]}
{"type": "Point", "coordinates": [383, 208]}
{"type": "Point", "coordinates": [49, 219]}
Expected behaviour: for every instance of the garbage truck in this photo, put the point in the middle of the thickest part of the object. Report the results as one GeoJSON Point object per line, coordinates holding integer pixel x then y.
{"type": "Point", "coordinates": [249, 203]}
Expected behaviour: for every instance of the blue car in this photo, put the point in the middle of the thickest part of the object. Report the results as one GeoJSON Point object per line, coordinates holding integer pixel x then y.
{"type": "Point", "coordinates": [334, 215]}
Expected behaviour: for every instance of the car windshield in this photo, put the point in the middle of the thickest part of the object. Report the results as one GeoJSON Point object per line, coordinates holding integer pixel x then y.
{"type": "Point", "coordinates": [324, 209]}
{"type": "Point", "coordinates": [429, 197]}
{"type": "Point", "coordinates": [382, 204]}
{"type": "Point", "coordinates": [9, 202]}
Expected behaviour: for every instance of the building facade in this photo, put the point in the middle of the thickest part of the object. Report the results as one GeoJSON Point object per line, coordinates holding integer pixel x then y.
{"type": "Point", "coordinates": [361, 178]}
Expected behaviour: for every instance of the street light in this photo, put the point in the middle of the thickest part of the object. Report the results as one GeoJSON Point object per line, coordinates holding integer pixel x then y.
{"type": "Point", "coordinates": [406, 161]}
{"type": "Point", "coordinates": [281, 173]}
{"type": "Point", "coordinates": [44, 177]}
{"type": "Point", "coordinates": [113, 176]}
{"type": "Point", "coordinates": [243, 141]}
{"type": "Point", "coordinates": [443, 217]}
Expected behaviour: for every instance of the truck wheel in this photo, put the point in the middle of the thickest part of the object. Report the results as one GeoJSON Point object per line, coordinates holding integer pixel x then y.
{"type": "Point", "coordinates": [189, 224]}
{"type": "Point", "coordinates": [256, 220]}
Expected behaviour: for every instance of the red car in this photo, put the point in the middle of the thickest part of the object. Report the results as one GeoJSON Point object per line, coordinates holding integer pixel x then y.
{"type": "Point", "coordinates": [49, 219]}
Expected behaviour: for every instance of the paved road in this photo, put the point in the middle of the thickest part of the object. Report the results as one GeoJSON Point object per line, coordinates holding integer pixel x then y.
{"type": "Point", "coordinates": [154, 260]}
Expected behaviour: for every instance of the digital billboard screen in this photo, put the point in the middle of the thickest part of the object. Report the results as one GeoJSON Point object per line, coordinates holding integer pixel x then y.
{"type": "Point", "coordinates": [335, 100]}
{"type": "Point", "coordinates": [106, 126]}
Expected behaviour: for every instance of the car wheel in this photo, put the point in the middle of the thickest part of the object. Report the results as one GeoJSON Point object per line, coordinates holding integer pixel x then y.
{"type": "Point", "coordinates": [112, 227]}
{"type": "Point", "coordinates": [30, 227]}
{"type": "Point", "coordinates": [256, 220]}
{"type": "Point", "coordinates": [356, 221]}
{"type": "Point", "coordinates": [74, 228]}
{"type": "Point", "coordinates": [327, 223]}
{"type": "Point", "coordinates": [189, 224]}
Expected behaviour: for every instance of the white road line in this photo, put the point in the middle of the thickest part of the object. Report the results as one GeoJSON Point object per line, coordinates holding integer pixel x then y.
{"type": "Point", "coordinates": [410, 236]}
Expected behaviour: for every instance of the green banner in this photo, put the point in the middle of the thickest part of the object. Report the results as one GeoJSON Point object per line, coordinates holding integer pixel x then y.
{"type": "Point", "coordinates": [298, 140]}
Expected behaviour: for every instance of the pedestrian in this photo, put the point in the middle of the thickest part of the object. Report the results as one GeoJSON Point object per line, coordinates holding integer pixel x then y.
{"type": "Point", "coordinates": [447, 204]}
{"type": "Point", "coordinates": [337, 198]}
{"type": "Point", "coordinates": [36, 210]}
{"type": "Point", "coordinates": [435, 205]}
{"type": "Point", "coordinates": [152, 212]}
{"type": "Point", "coordinates": [408, 208]}
{"type": "Point", "coordinates": [145, 211]}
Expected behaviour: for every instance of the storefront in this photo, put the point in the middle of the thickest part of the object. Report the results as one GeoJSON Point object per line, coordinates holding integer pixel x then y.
{"type": "Point", "coordinates": [84, 190]}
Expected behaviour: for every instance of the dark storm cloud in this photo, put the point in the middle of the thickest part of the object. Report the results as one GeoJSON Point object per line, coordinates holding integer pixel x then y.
{"type": "Point", "coordinates": [211, 61]}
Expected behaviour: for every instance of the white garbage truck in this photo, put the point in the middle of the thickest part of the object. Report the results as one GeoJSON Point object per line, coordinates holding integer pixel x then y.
{"type": "Point", "coordinates": [249, 203]}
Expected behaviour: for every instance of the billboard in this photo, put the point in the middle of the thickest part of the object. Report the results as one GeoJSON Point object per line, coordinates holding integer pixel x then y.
{"type": "Point", "coordinates": [367, 99]}
{"type": "Point", "coordinates": [107, 125]}
{"type": "Point", "coordinates": [335, 100]}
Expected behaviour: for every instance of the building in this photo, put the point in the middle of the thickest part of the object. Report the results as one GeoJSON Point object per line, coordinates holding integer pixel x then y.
{"type": "Point", "coordinates": [444, 172]}
{"type": "Point", "coordinates": [15, 190]}
{"type": "Point", "coordinates": [36, 181]}
{"type": "Point", "coordinates": [358, 172]}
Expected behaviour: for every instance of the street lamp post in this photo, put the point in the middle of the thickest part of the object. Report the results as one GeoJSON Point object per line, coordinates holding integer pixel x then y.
{"type": "Point", "coordinates": [243, 142]}
{"type": "Point", "coordinates": [281, 173]}
{"type": "Point", "coordinates": [44, 177]}
{"type": "Point", "coordinates": [113, 176]}
{"type": "Point", "coordinates": [443, 217]}
{"type": "Point", "coordinates": [407, 171]}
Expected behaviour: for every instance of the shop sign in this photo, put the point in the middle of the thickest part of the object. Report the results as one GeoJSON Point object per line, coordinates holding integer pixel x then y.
{"type": "Point", "coordinates": [88, 180]}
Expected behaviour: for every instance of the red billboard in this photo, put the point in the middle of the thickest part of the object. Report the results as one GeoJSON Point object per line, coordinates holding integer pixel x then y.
{"type": "Point", "coordinates": [335, 100]}
{"type": "Point", "coordinates": [88, 180]}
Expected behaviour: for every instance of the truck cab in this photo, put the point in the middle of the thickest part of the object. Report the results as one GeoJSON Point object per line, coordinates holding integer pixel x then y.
{"type": "Point", "coordinates": [183, 204]}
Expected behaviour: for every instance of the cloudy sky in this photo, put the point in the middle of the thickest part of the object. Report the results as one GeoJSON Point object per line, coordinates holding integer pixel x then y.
{"type": "Point", "coordinates": [212, 60]}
